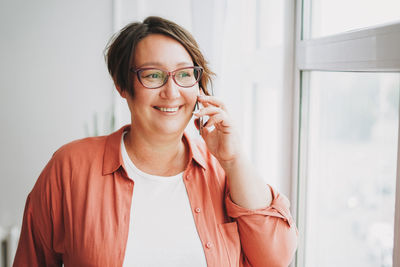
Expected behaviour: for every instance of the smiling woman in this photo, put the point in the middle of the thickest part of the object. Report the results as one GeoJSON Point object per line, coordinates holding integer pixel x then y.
{"type": "Point", "coordinates": [164, 111]}
{"type": "Point", "coordinates": [149, 194]}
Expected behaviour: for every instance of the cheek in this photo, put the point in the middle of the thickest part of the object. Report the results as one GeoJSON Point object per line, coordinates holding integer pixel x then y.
{"type": "Point", "coordinates": [136, 84]}
{"type": "Point", "coordinates": [141, 98]}
{"type": "Point", "coordinates": [191, 95]}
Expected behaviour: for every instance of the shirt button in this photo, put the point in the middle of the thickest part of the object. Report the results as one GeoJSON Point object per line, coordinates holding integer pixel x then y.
{"type": "Point", "coordinates": [197, 210]}
{"type": "Point", "coordinates": [209, 245]}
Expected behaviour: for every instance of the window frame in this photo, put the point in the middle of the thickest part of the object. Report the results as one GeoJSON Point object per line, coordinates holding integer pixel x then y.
{"type": "Point", "coordinates": [371, 49]}
{"type": "Point", "coordinates": [396, 245]}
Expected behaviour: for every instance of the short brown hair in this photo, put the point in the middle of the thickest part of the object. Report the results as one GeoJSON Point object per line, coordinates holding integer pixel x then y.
{"type": "Point", "coordinates": [120, 50]}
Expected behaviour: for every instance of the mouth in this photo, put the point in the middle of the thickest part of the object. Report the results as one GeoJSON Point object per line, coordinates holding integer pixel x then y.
{"type": "Point", "coordinates": [168, 109]}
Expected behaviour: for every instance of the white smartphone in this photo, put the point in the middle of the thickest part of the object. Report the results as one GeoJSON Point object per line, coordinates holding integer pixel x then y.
{"type": "Point", "coordinates": [201, 122]}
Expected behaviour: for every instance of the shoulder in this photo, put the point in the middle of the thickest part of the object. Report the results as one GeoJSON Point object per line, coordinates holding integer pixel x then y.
{"type": "Point", "coordinates": [78, 155]}
{"type": "Point", "coordinates": [82, 149]}
{"type": "Point", "coordinates": [71, 160]}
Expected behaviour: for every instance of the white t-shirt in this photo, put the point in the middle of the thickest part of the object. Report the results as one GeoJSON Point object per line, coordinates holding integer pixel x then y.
{"type": "Point", "coordinates": [162, 231]}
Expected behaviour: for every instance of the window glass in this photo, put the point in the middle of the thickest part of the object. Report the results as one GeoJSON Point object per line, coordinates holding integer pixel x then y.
{"type": "Point", "coordinates": [330, 17]}
{"type": "Point", "coordinates": [351, 168]}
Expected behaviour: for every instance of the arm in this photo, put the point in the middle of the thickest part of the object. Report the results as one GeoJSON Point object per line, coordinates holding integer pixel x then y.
{"type": "Point", "coordinates": [247, 189]}
{"type": "Point", "coordinates": [35, 247]}
{"type": "Point", "coordinates": [267, 233]}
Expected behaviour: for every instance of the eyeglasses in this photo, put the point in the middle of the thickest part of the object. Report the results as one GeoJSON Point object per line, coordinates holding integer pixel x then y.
{"type": "Point", "coordinates": [153, 78]}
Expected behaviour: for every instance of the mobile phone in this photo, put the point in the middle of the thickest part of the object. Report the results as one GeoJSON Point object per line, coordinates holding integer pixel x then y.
{"type": "Point", "coordinates": [201, 120]}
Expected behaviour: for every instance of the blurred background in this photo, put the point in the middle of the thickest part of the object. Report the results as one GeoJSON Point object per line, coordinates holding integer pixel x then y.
{"type": "Point", "coordinates": [313, 87]}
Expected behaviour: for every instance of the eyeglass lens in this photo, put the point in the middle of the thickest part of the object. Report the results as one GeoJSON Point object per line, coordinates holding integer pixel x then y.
{"type": "Point", "coordinates": [153, 78]}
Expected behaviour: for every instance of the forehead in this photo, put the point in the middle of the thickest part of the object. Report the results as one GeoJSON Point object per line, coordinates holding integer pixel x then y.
{"type": "Point", "coordinates": [157, 50]}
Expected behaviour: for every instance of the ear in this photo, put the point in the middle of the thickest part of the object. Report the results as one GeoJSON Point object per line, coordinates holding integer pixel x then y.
{"type": "Point", "coordinates": [121, 92]}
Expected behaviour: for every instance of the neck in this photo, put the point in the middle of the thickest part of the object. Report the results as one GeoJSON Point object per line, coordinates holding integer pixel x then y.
{"type": "Point", "coordinates": [163, 156]}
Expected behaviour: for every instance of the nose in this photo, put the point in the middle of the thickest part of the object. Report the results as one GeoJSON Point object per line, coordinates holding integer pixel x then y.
{"type": "Point", "coordinates": [170, 90]}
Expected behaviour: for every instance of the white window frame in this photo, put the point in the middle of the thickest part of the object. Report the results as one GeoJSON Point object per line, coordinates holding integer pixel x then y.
{"type": "Point", "coordinates": [373, 49]}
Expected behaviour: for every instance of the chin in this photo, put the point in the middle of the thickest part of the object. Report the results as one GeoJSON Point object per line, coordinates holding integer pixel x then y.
{"type": "Point", "coordinates": [172, 126]}
{"type": "Point", "coordinates": [171, 129]}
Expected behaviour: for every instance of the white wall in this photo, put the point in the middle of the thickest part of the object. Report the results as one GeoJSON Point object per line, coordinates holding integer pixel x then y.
{"type": "Point", "coordinates": [53, 80]}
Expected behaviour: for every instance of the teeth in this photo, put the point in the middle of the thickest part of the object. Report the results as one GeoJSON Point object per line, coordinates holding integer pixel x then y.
{"type": "Point", "coordinates": [169, 109]}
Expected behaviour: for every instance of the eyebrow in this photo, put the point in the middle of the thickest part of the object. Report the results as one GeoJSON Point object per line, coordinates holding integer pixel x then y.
{"type": "Point", "coordinates": [159, 64]}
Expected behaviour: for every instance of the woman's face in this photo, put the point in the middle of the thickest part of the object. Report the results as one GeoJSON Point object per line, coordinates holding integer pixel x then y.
{"type": "Point", "coordinates": [168, 109]}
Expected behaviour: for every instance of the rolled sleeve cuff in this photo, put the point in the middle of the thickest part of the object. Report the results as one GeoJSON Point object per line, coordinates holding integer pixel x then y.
{"type": "Point", "coordinates": [279, 207]}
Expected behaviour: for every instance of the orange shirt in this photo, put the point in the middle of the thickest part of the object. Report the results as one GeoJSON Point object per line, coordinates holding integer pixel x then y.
{"type": "Point", "coordinates": [78, 212]}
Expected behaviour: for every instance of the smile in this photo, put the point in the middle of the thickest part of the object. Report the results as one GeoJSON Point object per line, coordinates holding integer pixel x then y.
{"type": "Point", "coordinates": [169, 109]}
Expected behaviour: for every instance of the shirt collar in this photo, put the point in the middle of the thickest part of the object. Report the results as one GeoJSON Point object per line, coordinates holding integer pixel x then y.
{"type": "Point", "coordinates": [195, 153]}
{"type": "Point", "coordinates": [112, 158]}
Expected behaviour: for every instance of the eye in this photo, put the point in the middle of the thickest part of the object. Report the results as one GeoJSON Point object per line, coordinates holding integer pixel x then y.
{"type": "Point", "coordinates": [152, 74]}
{"type": "Point", "coordinates": [184, 74]}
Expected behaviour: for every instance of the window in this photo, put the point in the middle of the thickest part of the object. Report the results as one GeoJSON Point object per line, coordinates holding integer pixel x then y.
{"type": "Point", "coordinates": [331, 17]}
{"type": "Point", "coordinates": [351, 167]}
{"type": "Point", "coordinates": [348, 87]}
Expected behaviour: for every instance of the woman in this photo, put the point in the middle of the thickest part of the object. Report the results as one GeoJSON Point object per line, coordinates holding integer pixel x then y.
{"type": "Point", "coordinates": [148, 194]}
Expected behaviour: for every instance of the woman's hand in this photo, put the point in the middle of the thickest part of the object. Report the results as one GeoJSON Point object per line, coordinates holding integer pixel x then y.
{"type": "Point", "coordinates": [222, 140]}
{"type": "Point", "coordinates": [247, 189]}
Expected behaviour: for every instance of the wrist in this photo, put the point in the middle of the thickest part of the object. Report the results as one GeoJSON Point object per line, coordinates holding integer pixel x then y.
{"type": "Point", "coordinates": [232, 163]}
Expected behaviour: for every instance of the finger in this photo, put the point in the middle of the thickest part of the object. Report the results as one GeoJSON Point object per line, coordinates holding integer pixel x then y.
{"type": "Point", "coordinates": [204, 133]}
{"type": "Point", "coordinates": [207, 111]}
{"type": "Point", "coordinates": [206, 100]}
{"type": "Point", "coordinates": [203, 104]}
{"type": "Point", "coordinates": [220, 122]}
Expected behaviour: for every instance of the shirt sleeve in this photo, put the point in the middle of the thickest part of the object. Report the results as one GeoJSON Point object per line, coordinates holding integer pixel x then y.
{"type": "Point", "coordinates": [268, 235]}
{"type": "Point", "coordinates": [36, 242]}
